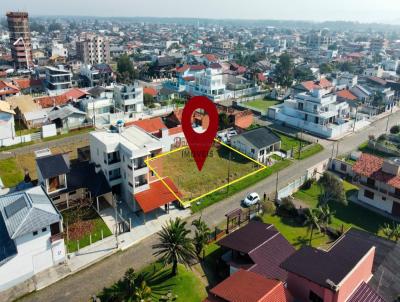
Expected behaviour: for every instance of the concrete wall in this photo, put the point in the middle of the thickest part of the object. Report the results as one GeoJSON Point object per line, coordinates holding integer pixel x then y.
{"type": "Point", "coordinates": [7, 126]}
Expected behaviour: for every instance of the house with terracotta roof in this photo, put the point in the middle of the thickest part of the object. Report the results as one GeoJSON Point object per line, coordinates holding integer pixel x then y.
{"type": "Point", "coordinates": [379, 183]}
{"type": "Point", "coordinates": [257, 247]}
{"type": "Point", "coordinates": [29, 85]}
{"type": "Point", "coordinates": [339, 274]}
{"type": "Point", "coordinates": [245, 286]}
{"type": "Point", "coordinates": [308, 86]}
{"type": "Point", "coordinates": [7, 124]}
{"type": "Point", "coordinates": [121, 155]}
{"type": "Point", "coordinates": [8, 89]}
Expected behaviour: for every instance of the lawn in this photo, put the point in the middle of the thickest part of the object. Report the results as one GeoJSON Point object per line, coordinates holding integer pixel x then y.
{"type": "Point", "coordinates": [261, 104]}
{"type": "Point", "coordinates": [12, 169]}
{"type": "Point", "coordinates": [10, 172]}
{"type": "Point", "coordinates": [186, 285]}
{"type": "Point", "coordinates": [80, 228]}
{"type": "Point", "coordinates": [239, 186]}
{"type": "Point", "coordinates": [352, 215]}
{"type": "Point", "coordinates": [309, 151]}
{"type": "Point", "coordinates": [192, 183]}
{"type": "Point", "coordinates": [366, 149]}
{"type": "Point", "coordinates": [288, 142]}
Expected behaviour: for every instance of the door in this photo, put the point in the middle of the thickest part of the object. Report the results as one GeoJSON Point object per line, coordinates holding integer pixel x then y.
{"type": "Point", "coordinates": [396, 209]}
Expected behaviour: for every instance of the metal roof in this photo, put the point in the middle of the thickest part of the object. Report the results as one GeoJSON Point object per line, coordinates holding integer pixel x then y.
{"type": "Point", "coordinates": [52, 165]}
{"type": "Point", "coordinates": [260, 137]}
{"type": "Point", "coordinates": [27, 211]}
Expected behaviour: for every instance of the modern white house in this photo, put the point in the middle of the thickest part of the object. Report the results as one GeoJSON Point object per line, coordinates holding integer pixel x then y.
{"type": "Point", "coordinates": [129, 99]}
{"type": "Point", "coordinates": [209, 83]}
{"type": "Point", "coordinates": [317, 112]}
{"type": "Point", "coordinates": [30, 236]}
{"type": "Point", "coordinates": [7, 124]}
{"type": "Point", "coordinates": [98, 105]}
{"type": "Point", "coordinates": [121, 155]}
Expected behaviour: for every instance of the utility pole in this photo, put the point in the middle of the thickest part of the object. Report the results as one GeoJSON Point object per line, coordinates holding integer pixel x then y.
{"type": "Point", "coordinates": [355, 121]}
{"type": "Point", "coordinates": [387, 123]}
{"type": "Point", "coordinates": [301, 141]}
{"type": "Point", "coordinates": [229, 169]}
{"type": "Point", "coordinates": [276, 186]}
{"type": "Point", "coordinates": [116, 220]}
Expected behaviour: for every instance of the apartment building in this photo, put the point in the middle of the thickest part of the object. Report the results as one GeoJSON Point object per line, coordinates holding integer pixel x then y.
{"type": "Point", "coordinates": [128, 99]}
{"type": "Point", "coordinates": [93, 50]}
{"type": "Point", "coordinates": [317, 111]}
{"type": "Point", "coordinates": [20, 39]}
{"type": "Point", "coordinates": [379, 182]}
{"type": "Point", "coordinates": [58, 78]}
{"type": "Point", "coordinates": [121, 155]}
{"type": "Point", "coordinates": [30, 235]}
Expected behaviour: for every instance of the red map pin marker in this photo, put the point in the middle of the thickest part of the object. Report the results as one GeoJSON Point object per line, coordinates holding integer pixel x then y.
{"type": "Point", "coordinates": [200, 143]}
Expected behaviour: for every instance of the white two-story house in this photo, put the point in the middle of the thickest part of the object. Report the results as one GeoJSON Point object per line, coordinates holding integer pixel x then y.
{"type": "Point", "coordinates": [30, 236]}
{"type": "Point", "coordinates": [121, 156]}
{"type": "Point", "coordinates": [317, 112]}
{"type": "Point", "coordinates": [128, 99]}
{"type": "Point", "coordinates": [208, 82]}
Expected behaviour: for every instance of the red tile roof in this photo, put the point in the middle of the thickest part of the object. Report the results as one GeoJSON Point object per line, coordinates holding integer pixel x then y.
{"type": "Point", "coordinates": [157, 195]}
{"type": "Point", "coordinates": [211, 58]}
{"type": "Point", "coordinates": [153, 125]}
{"type": "Point", "coordinates": [51, 101]}
{"type": "Point", "coordinates": [150, 90]}
{"type": "Point", "coordinates": [175, 130]}
{"type": "Point", "coordinates": [27, 83]}
{"type": "Point", "coordinates": [310, 85]}
{"type": "Point", "coordinates": [371, 166]}
{"type": "Point", "coordinates": [75, 94]}
{"type": "Point", "coordinates": [7, 88]}
{"type": "Point", "coordinates": [182, 68]}
{"type": "Point", "coordinates": [346, 94]}
{"type": "Point", "coordinates": [244, 286]}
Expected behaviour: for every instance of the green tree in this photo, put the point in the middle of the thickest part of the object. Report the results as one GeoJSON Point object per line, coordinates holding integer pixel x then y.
{"type": "Point", "coordinates": [223, 121]}
{"type": "Point", "coordinates": [201, 236]}
{"type": "Point", "coordinates": [148, 100]}
{"type": "Point", "coordinates": [175, 245]}
{"type": "Point", "coordinates": [303, 74]}
{"type": "Point", "coordinates": [125, 69]}
{"type": "Point", "coordinates": [391, 232]}
{"type": "Point", "coordinates": [131, 288]}
{"type": "Point", "coordinates": [312, 222]}
{"type": "Point", "coordinates": [325, 68]}
{"type": "Point", "coordinates": [325, 215]}
{"type": "Point", "coordinates": [284, 70]}
{"type": "Point", "coordinates": [332, 189]}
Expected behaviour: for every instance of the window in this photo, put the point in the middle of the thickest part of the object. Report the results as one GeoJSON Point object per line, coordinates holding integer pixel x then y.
{"type": "Point", "coordinates": [262, 152]}
{"type": "Point", "coordinates": [44, 230]}
{"type": "Point", "coordinates": [343, 167]}
{"type": "Point", "coordinates": [314, 297]}
{"type": "Point", "coordinates": [369, 194]}
{"type": "Point", "coordinates": [371, 182]}
{"type": "Point", "coordinates": [252, 150]}
{"type": "Point", "coordinates": [35, 233]}
{"type": "Point", "coordinates": [130, 184]}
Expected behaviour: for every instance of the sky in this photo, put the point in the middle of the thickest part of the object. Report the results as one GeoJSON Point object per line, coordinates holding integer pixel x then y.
{"type": "Point", "coordinates": [382, 11]}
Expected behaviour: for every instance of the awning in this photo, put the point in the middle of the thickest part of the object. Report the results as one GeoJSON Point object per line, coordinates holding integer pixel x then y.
{"type": "Point", "coordinates": [157, 195]}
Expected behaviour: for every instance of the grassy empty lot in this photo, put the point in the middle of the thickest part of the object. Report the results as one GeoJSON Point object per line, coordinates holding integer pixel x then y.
{"type": "Point", "coordinates": [261, 104]}
{"type": "Point", "coordinates": [10, 172]}
{"type": "Point", "coordinates": [12, 169]}
{"type": "Point", "coordinates": [182, 170]}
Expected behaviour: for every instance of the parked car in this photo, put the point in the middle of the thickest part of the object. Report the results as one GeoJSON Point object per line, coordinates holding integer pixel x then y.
{"type": "Point", "coordinates": [251, 199]}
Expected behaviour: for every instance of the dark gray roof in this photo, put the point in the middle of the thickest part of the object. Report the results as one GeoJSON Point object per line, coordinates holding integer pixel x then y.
{"type": "Point", "coordinates": [64, 112]}
{"type": "Point", "coordinates": [261, 137]}
{"type": "Point", "coordinates": [386, 278]}
{"type": "Point", "coordinates": [52, 165]}
{"type": "Point", "coordinates": [27, 211]}
{"type": "Point", "coordinates": [96, 91]}
{"type": "Point", "coordinates": [7, 247]}
{"type": "Point", "coordinates": [83, 175]}
{"type": "Point", "coordinates": [335, 264]}
{"type": "Point", "coordinates": [265, 246]}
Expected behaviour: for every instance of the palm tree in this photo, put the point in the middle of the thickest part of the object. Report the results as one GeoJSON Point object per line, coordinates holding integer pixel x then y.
{"type": "Point", "coordinates": [325, 215]}
{"type": "Point", "coordinates": [391, 232]}
{"type": "Point", "coordinates": [175, 245]}
{"type": "Point", "coordinates": [131, 288]}
{"type": "Point", "coordinates": [312, 221]}
{"type": "Point", "coordinates": [201, 235]}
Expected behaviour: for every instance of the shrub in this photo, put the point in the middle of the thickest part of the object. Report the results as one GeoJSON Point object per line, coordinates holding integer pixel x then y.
{"type": "Point", "coordinates": [268, 207]}
{"type": "Point", "coordinates": [307, 185]}
{"type": "Point", "coordinates": [395, 129]}
{"type": "Point", "coordinates": [287, 205]}
{"type": "Point", "coordinates": [382, 138]}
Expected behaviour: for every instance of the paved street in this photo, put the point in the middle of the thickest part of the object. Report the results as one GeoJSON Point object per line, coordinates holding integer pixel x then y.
{"type": "Point", "coordinates": [81, 286]}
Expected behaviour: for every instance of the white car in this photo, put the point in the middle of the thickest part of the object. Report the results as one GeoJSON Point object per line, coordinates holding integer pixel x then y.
{"type": "Point", "coordinates": [251, 199]}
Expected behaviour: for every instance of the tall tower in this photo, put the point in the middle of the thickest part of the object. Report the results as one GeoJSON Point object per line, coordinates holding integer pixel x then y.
{"type": "Point", "coordinates": [20, 39]}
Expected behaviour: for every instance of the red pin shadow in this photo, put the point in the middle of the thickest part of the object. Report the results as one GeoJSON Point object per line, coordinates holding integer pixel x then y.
{"type": "Point", "coordinates": [200, 143]}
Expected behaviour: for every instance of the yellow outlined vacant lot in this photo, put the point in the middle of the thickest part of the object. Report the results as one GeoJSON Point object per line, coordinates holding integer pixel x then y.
{"type": "Point", "coordinates": [186, 203]}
